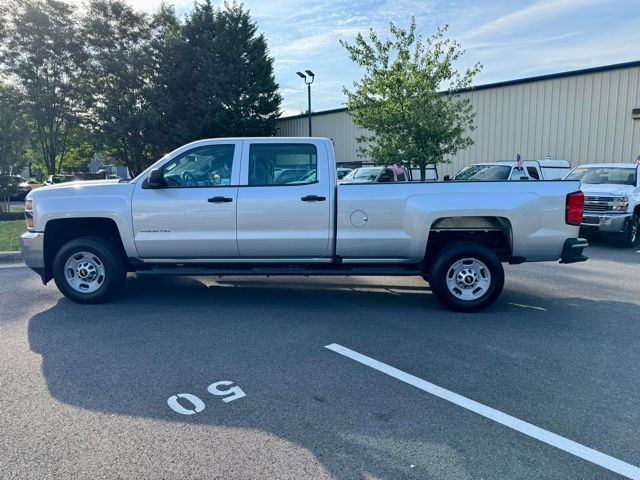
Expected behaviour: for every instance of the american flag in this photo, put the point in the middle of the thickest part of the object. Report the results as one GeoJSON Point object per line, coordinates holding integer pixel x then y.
{"type": "Point", "coordinates": [519, 160]}
{"type": "Point", "coordinates": [638, 160]}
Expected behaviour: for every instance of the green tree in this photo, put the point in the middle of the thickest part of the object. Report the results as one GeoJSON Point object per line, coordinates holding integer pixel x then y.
{"type": "Point", "coordinates": [399, 98]}
{"type": "Point", "coordinates": [13, 130]}
{"type": "Point", "coordinates": [169, 73]}
{"type": "Point", "coordinates": [248, 92]}
{"type": "Point", "coordinates": [41, 52]}
{"type": "Point", "coordinates": [117, 70]}
{"type": "Point", "coordinates": [228, 76]}
{"type": "Point", "coordinates": [13, 140]}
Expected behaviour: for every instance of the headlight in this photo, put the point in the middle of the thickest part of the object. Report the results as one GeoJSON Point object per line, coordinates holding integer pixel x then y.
{"type": "Point", "coordinates": [619, 208]}
{"type": "Point", "coordinates": [619, 204]}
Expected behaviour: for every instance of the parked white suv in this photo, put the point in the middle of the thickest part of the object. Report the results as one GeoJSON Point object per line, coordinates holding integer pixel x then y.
{"type": "Point", "coordinates": [612, 199]}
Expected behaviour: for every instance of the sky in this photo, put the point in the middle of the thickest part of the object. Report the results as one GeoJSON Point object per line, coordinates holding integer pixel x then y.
{"type": "Point", "coordinates": [512, 39]}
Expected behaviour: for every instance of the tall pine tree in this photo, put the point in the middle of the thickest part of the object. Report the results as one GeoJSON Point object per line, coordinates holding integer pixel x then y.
{"type": "Point", "coordinates": [247, 91]}
{"type": "Point", "coordinates": [230, 82]}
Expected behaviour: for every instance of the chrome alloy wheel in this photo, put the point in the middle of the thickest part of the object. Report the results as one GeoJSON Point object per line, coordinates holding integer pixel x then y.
{"type": "Point", "coordinates": [468, 279]}
{"type": "Point", "coordinates": [84, 272]}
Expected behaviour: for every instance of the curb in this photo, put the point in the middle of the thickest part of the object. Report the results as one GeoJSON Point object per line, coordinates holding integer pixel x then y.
{"type": "Point", "coordinates": [10, 257]}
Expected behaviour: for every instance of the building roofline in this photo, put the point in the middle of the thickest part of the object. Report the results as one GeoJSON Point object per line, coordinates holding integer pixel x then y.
{"type": "Point", "coordinates": [506, 83]}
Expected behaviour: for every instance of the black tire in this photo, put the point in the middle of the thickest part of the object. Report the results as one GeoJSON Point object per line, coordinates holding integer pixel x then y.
{"type": "Point", "coordinates": [492, 277]}
{"type": "Point", "coordinates": [107, 256]}
{"type": "Point", "coordinates": [632, 235]}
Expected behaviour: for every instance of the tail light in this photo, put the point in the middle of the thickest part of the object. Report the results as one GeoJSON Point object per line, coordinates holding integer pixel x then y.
{"type": "Point", "coordinates": [575, 208]}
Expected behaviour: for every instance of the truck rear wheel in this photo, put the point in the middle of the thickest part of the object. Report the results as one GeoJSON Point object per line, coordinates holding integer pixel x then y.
{"type": "Point", "coordinates": [89, 270]}
{"type": "Point", "coordinates": [466, 277]}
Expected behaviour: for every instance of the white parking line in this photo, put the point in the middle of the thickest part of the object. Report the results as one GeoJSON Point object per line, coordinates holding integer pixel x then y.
{"type": "Point", "coordinates": [12, 265]}
{"type": "Point", "coordinates": [577, 449]}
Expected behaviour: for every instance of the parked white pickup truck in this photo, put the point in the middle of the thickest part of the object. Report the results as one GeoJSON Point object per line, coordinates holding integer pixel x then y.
{"type": "Point", "coordinates": [612, 199]}
{"type": "Point", "coordinates": [508, 170]}
{"type": "Point", "coordinates": [214, 207]}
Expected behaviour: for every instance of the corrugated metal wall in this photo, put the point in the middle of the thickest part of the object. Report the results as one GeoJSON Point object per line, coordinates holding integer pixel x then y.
{"type": "Point", "coordinates": [585, 118]}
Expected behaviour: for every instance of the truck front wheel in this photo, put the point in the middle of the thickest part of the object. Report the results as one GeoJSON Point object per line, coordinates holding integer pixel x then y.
{"type": "Point", "coordinates": [89, 270]}
{"type": "Point", "coordinates": [632, 235]}
{"type": "Point", "coordinates": [466, 277]}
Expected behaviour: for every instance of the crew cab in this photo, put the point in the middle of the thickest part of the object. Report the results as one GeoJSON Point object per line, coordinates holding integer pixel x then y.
{"type": "Point", "coordinates": [612, 199]}
{"type": "Point", "coordinates": [214, 207]}
{"type": "Point", "coordinates": [510, 170]}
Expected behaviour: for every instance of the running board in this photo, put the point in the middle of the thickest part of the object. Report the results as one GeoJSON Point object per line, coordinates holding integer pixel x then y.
{"type": "Point", "coordinates": [333, 270]}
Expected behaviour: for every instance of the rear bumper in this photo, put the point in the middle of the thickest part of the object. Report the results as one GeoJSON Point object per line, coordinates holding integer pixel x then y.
{"type": "Point", "coordinates": [572, 250]}
{"type": "Point", "coordinates": [606, 222]}
{"type": "Point", "coordinates": [32, 248]}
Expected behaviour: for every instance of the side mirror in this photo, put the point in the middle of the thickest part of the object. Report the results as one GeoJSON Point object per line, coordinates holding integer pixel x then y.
{"type": "Point", "coordinates": [155, 179]}
{"type": "Point", "coordinates": [446, 178]}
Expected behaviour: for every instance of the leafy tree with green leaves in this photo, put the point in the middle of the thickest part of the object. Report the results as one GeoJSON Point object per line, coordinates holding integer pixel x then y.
{"type": "Point", "coordinates": [41, 52]}
{"type": "Point", "coordinates": [117, 70]}
{"type": "Point", "coordinates": [13, 140]}
{"type": "Point", "coordinates": [399, 98]}
{"type": "Point", "coordinates": [231, 86]}
{"type": "Point", "coordinates": [169, 73]}
{"type": "Point", "coordinates": [248, 92]}
{"type": "Point", "coordinates": [13, 130]}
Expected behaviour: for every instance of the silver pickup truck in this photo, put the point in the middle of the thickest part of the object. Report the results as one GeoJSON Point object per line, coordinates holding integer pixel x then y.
{"type": "Point", "coordinates": [216, 207]}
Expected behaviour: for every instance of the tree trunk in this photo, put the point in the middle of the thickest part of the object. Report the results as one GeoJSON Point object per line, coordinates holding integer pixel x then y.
{"type": "Point", "coordinates": [423, 172]}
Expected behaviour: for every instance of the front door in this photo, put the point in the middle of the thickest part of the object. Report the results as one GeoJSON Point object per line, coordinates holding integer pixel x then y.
{"type": "Point", "coordinates": [193, 215]}
{"type": "Point", "coordinates": [284, 201]}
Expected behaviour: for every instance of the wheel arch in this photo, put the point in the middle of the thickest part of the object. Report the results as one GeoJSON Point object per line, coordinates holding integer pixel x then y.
{"type": "Point", "coordinates": [60, 231]}
{"type": "Point", "coordinates": [493, 232]}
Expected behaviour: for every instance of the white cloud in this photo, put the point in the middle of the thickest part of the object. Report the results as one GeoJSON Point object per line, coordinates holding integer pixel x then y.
{"type": "Point", "coordinates": [531, 14]}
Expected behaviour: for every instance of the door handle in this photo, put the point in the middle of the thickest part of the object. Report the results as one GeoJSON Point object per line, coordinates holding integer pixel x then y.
{"type": "Point", "coordinates": [219, 200]}
{"type": "Point", "coordinates": [313, 198]}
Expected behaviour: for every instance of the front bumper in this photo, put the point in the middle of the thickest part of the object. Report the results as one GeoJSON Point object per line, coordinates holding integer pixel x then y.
{"type": "Point", "coordinates": [32, 248]}
{"type": "Point", "coordinates": [572, 251]}
{"type": "Point", "coordinates": [606, 222]}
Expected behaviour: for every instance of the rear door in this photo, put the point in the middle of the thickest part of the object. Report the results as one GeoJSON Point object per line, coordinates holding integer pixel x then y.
{"type": "Point", "coordinates": [283, 215]}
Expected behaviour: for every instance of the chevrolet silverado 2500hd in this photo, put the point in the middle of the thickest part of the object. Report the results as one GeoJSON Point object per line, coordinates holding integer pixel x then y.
{"type": "Point", "coordinates": [216, 207]}
{"type": "Point", "coordinates": [612, 199]}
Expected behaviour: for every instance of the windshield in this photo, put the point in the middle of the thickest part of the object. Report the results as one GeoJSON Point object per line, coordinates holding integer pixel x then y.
{"type": "Point", "coordinates": [363, 173]}
{"type": "Point", "coordinates": [598, 175]}
{"type": "Point", "coordinates": [484, 172]}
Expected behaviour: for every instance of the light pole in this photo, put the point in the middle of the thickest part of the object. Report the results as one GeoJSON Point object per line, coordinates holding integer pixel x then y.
{"type": "Point", "coordinates": [308, 80]}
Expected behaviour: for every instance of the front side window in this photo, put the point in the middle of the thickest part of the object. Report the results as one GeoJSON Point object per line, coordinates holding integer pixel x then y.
{"type": "Point", "coordinates": [208, 166]}
{"type": "Point", "coordinates": [282, 164]}
{"type": "Point", "coordinates": [518, 174]}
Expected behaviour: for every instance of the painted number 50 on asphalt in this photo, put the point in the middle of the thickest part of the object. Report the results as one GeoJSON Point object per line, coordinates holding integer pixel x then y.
{"type": "Point", "coordinates": [229, 394]}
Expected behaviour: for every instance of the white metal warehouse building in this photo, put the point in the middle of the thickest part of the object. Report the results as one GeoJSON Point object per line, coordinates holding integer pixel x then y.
{"type": "Point", "coordinates": [584, 116]}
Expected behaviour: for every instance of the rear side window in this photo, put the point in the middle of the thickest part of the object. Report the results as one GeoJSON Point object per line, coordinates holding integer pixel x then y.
{"type": "Point", "coordinates": [533, 173]}
{"type": "Point", "coordinates": [282, 164]}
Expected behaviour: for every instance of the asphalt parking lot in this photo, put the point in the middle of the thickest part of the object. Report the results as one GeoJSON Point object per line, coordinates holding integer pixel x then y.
{"type": "Point", "coordinates": [87, 391]}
